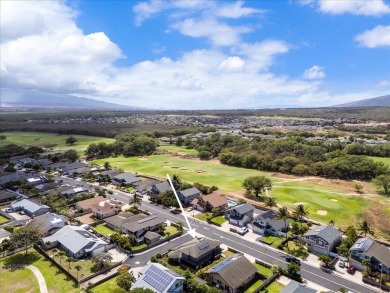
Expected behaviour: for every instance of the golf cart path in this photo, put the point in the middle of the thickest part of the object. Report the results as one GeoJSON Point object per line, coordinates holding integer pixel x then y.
{"type": "Point", "coordinates": [39, 276]}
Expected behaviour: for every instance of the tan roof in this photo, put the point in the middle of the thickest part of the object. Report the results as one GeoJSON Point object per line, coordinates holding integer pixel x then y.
{"type": "Point", "coordinates": [106, 205]}
{"type": "Point", "coordinates": [214, 199]}
{"type": "Point", "coordinates": [87, 203]}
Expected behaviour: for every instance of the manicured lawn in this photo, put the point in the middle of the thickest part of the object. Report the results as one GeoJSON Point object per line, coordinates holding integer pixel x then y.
{"type": "Point", "coordinates": [254, 286]}
{"type": "Point", "coordinates": [275, 287]}
{"type": "Point", "coordinates": [3, 219]}
{"type": "Point", "coordinates": [137, 247]}
{"type": "Point", "coordinates": [273, 240]}
{"type": "Point", "coordinates": [47, 139]}
{"type": "Point", "coordinates": [263, 270]}
{"type": "Point", "coordinates": [176, 149]}
{"type": "Point", "coordinates": [203, 216]}
{"type": "Point", "coordinates": [24, 281]}
{"type": "Point", "coordinates": [205, 172]}
{"type": "Point", "coordinates": [171, 230]}
{"type": "Point", "coordinates": [103, 229]}
{"type": "Point", "coordinates": [381, 159]}
{"type": "Point", "coordinates": [219, 220]}
{"type": "Point", "coordinates": [108, 286]}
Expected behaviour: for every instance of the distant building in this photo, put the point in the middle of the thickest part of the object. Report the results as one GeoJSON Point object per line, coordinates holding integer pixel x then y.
{"type": "Point", "coordinates": [126, 179]}
{"type": "Point", "coordinates": [159, 188]}
{"type": "Point", "coordinates": [29, 207]}
{"type": "Point", "coordinates": [48, 223]}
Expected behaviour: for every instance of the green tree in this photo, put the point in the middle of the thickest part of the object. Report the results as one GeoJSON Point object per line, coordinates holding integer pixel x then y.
{"type": "Point", "coordinates": [71, 140]}
{"type": "Point", "coordinates": [24, 237]}
{"type": "Point", "coordinates": [180, 226]}
{"type": "Point", "coordinates": [77, 268]}
{"type": "Point", "coordinates": [343, 250]}
{"type": "Point", "coordinates": [325, 259]}
{"type": "Point", "coordinates": [69, 260]}
{"type": "Point", "coordinates": [124, 268]}
{"type": "Point", "coordinates": [71, 155]}
{"type": "Point", "coordinates": [125, 280]}
{"type": "Point", "coordinates": [283, 214]}
{"type": "Point", "coordinates": [107, 165]}
{"type": "Point", "coordinates": [270, 202]}
{"type": "Point", "coordinates": [364, 228]}
{"type": "Point", "coordinates": [293, 268]}
{"type": "Point", "coordinates": [3, 137]}
{"type": "Point", "coordinates": [300, 213]}
{"type": "Point", "coordinates": [176, 181]}
{"type": "Point", "coordinates": [101, 260]}
{"type": "Point", "coordinates": [358, 188]}
{"type": "Point", "coordinates": [257, 185]}
{"type": "Point", "coordinates": [136, 201]}
{"type": "Point", "coordinates": [383, 182]}
{"type": "Point", "coordinates": [61, 254]}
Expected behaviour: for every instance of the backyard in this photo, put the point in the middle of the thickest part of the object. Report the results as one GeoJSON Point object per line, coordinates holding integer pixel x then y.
{"type": "Point", "coordinates": [103, 229]}
{"type": "Point", "coordinates": [3, 219]}
{"type": "Point", "coordinates": [23, 280]}
{"type": "Point", "coordinates": [107, 286]}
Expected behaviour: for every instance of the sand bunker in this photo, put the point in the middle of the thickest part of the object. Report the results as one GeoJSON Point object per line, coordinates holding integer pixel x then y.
{"type": "Point", "coordinates": [183, 168]}
{"type": "Point", "coordinates": [200, 171]}
{"type": "Point", "coordinates": [297, 203]}
{"type": "Point", "coordinates": [165, 166]}
{"type": "Point", "coordinates": [322, 212]}
{"type": "Point", "coordinates": [142, 158]}
{"type": "Point", "coordinates": [332, 199]}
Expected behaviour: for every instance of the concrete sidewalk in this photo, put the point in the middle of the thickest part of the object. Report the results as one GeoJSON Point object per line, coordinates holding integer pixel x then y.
{"type": "Point", "coordinates": [40, 278]}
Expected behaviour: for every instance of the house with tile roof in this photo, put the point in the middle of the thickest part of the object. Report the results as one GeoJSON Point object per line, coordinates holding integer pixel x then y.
{"type": "Point", "coordinates": [29, 207]}
{"type": "Point", "coordinates": [160, 279]}
{"type": "Point", "coordinates": [207, 203]}
{"type": "Point", "coordinates": [231, 274]}
{"type": "Point", "coordinates": [367, 248]}
{"type": "Point", "coordinates": [322, 239]}
{"type": "Point", "coordinates": [48, 223]}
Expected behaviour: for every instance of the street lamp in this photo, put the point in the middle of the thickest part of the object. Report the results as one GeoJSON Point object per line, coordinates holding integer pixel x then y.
{"type": "Point", "coordinates": [380, 280]}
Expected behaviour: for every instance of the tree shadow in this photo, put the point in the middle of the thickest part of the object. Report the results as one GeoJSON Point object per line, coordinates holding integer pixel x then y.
{"type": "Point", "coordinates": [20, 260]}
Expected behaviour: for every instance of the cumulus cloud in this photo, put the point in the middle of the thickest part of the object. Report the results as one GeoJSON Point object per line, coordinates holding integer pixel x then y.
{"type": "Point", "coordinates": [314, 72]}
{"type": "Point", "coordinates": [377, 37]}
{"type": "Point", "coordinates": [355, 7]}
{"type": "Point", "coordinates": [236, 10]}
{"type": "Point", "coordinates": [232, 64]}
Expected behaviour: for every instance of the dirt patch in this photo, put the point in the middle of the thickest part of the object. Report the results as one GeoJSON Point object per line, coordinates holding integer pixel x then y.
{"type": "Point", "coordinates": [200, 171]}
{"type": "Point", "coordinates": [297, 203]}
{"type": "Point", "coordinates": [86, 219]}
{"type": "Point", "coordinates": [183, 168]}
{"type": "Point", "coordinates": [332, 199]}
{"type": "Point", "coordinates": [168, 163]}
{"type": "Point", "coordinates": [379, 216]}
{"type": "Point", "coordinates": [143, 158]}
{"type": "Point", "coordinates": [322, 212]}
{"type": "Point", "coordinates": [165, 166]}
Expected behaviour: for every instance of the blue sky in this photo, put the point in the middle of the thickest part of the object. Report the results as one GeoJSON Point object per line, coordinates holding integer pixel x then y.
{"type": "Point", "coordinates": [199, 54]}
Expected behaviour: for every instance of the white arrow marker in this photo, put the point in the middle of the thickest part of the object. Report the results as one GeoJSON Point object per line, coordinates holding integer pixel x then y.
{"type": "Point", "coordinates": [190, 230]}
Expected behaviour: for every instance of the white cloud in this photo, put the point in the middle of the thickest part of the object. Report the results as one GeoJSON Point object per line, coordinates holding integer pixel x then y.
{"type": "Point", "coordinates": [219, 34]}
{"type": "Point", "coordinates": [236, 10]}
{"type": "Point", "coordinates": [355, 7]}
{"type": "Point", "coordinates": [314, 72]}
{"type": "Point", "coordinates": [384, 83]}
{"type": "Point", "coordinates": [232, 64]}
{"type": "Point", "coordinates": [377, 37]}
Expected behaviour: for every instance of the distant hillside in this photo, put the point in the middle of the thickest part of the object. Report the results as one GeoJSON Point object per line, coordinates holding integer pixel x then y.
{"type": "Point", "coordinates": [383, 101]}
{"type": "Point", "coordinates": [35, 99]}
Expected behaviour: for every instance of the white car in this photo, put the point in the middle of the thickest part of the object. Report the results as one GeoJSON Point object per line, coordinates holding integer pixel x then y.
{"type": "Point", "coordinates": [190, 209]}
{"type": "Point", "coordinates": [8, 210]}
{"type": "Point", "coordinates": [341, 264]}
{"type": "Point", "coordinates": [243, 230]}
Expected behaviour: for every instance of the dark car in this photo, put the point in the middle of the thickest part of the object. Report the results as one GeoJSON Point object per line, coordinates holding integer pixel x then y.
{"type": "Point", "coordinates": [293, 259]}
{"type": "Point", "coordinates": [351, 270]}
{"type": "Point", "coordinates": [176, 211]}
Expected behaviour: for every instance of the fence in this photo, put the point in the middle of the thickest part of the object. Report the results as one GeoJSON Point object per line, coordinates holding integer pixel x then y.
{"type": "Point", "coordinates": [100, 272]}
{"type": "Point", "coordinates": [8, 253]}
{"type": "Point", "coordinates": [376, 284]}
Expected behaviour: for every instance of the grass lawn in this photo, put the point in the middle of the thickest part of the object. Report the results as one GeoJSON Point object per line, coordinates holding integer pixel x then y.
{"type": "Point", "coordinates": [137, 247]}
{"type": "Point", "coordinates": [177, 149]}
{"type": "Point", "coordinates": [203, 216]}
{"type": "Point", "coordinates": [263, 270]}
{"type": "Point", "coordinates": [3, 219]}
{"type": "Point", "coordinates": [275, 287]}
{"type": "Point", "coordinates": [103, 229]}
{"type": "Point", "coordinates": [171, 230]}
{"type": "Point", "coordinates": [255, 285]}
{"type": "Point", "coordinates": [273, 240]}
{"type": "Point", "coordinates": [219, 220]}
{"type": "Point", "coordinates": [108, 286]}
{"type": "Point", "coordinates": [24, 281]}
{"type": "Point", "coordinates": [381, 159]}
{"type": "Point", "coordinates": [205, 172]}
{"type": "Point", "coordinates": [49, 139]}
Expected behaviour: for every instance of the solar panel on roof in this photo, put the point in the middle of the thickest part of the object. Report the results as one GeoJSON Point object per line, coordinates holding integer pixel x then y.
{"type": "Point", "coordinates": [223, 265]}
{"type": "Point", "coordinates": [146, 219]}
{"type": "Point", "coordinates": [158, 279]}
{"type": "Point", "coordinates": [203, 245]}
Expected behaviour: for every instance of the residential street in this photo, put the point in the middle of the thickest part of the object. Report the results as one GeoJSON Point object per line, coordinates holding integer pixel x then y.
{"type": "Point", "coordinates": [252, 248]}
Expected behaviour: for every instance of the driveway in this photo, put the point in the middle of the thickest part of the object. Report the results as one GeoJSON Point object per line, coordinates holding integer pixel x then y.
{"type": "Point", "coordinates": [18, 217]}
{"type": "Point", "coordinates": [117, 255]}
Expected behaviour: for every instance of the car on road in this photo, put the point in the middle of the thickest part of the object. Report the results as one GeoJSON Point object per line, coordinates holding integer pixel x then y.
{"type": "Point", "coordinates": [8, 210]}
{"type": "Point", "coordinates": [293, 259]}
{"type": "Point", "coordinates": [176, 211]}
{"type": "Point", "coordinates": [341, 264]}
{"type": "Point", "coordinates": [190, 209]}
{"type": "Point", "coordinates": [243, 230]}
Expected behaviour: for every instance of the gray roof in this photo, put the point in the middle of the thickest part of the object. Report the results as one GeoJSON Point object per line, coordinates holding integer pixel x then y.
{"type": "Point", "coordinates": [190, 192]}
{"type": "Point", "coordinates": [363, 244]}
{"type": "Point", "coordinates": [46, 186]}
{"type": "Point", "coordinates": [12, 177]}
{"type": "Point", "coordinates": [326, 232]}
{"type": "Point", "coordinates": [117, 220]}
{"type": "Point", "coordinates": [127, 177]}
{"type": "Point", "coordinates": [74, 165]}
{"type": "Point", "coordinates": [75, 239]}
{"type": "Point", "coordinates": [46, 222]}
{"type": "Point", "coordinates": [141, 221]}
{"type": "Point", "coordinates": [156, 272]}
{"type": "Point", "coordinates": [235, 270]}
{"type": "Point", "coordinates": [4, 195]}
{"type": "Point", "coordinates": [163, 186]}
{"type": "Point", "coordinates": [28, 205]}
{"type": "Point", "coordinates": [295, 287]}
{"type": "Point", "coordinates": [152, 235]}
{"type": "Point", "coordinates": [271, 218]}
{"type": "Point", "coordinates": [144, 184]}
{"type": "Point", "coordinates": [197, 248]}
{"type": "Point", "coordinates": [81, 170]}
{"type": "Point", "coordinates": [244, 208]}
{"type": "Point", "coordinates": [372, 248]}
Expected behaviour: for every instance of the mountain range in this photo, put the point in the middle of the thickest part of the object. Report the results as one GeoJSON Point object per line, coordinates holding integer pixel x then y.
{"type": "Point", "coordinates": [382, 101]}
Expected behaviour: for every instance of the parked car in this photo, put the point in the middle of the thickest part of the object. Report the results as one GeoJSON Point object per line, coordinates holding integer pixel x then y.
{"type": "Point", "coordinates": [293, 259]}
{"type": "Point", "coordinates": [243, 230]}
{"type": "Point", "coordinates": [351, 270]}
{"type": "Point", "coordinates": [190, 209]}
{"type": "Point", "coordinates": [8, 210]}
{"type": "Point", "coordinates": [341, 264]}
{"type": "Point", "coordinates": [21, 213]}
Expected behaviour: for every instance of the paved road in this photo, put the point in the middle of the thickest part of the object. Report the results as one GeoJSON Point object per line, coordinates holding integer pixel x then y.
{"type": "Point", "coordinates": [254, 249]}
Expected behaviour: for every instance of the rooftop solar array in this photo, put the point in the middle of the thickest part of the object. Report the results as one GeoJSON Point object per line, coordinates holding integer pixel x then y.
{"type": "Point", "coordinates": [146, 219]}
{"type": "Point", "coordinates": [223, 265]}
{"type": "Point", "coordinates": [157, 278]}
{"type": "Point", "coordinates": [203, 245]}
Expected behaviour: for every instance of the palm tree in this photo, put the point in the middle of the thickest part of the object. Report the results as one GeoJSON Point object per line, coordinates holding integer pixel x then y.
{"type": "Point", "coordinates": [78, 268]}
{"type": "Point", "coordinates": [136, 201]}
{"type": "Point", "coordinates": [61, 254]}
{"type": "Point", "coordinates": [365, 227]}
{"type": "Point", "coordinates": [331, 222]}
{"type": "Point", "coordinates": [300, 213]}
{"type": "Point", "coordinates": [107, 165]}
{"type": "Point", "coordinates": [283, 214]}
{"type": "Point", "coordinates": [270, 202]}
{"type": "Point", "coordinates": [176, 181]}
{"type": "Point", "coordinates": [69, 260]}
